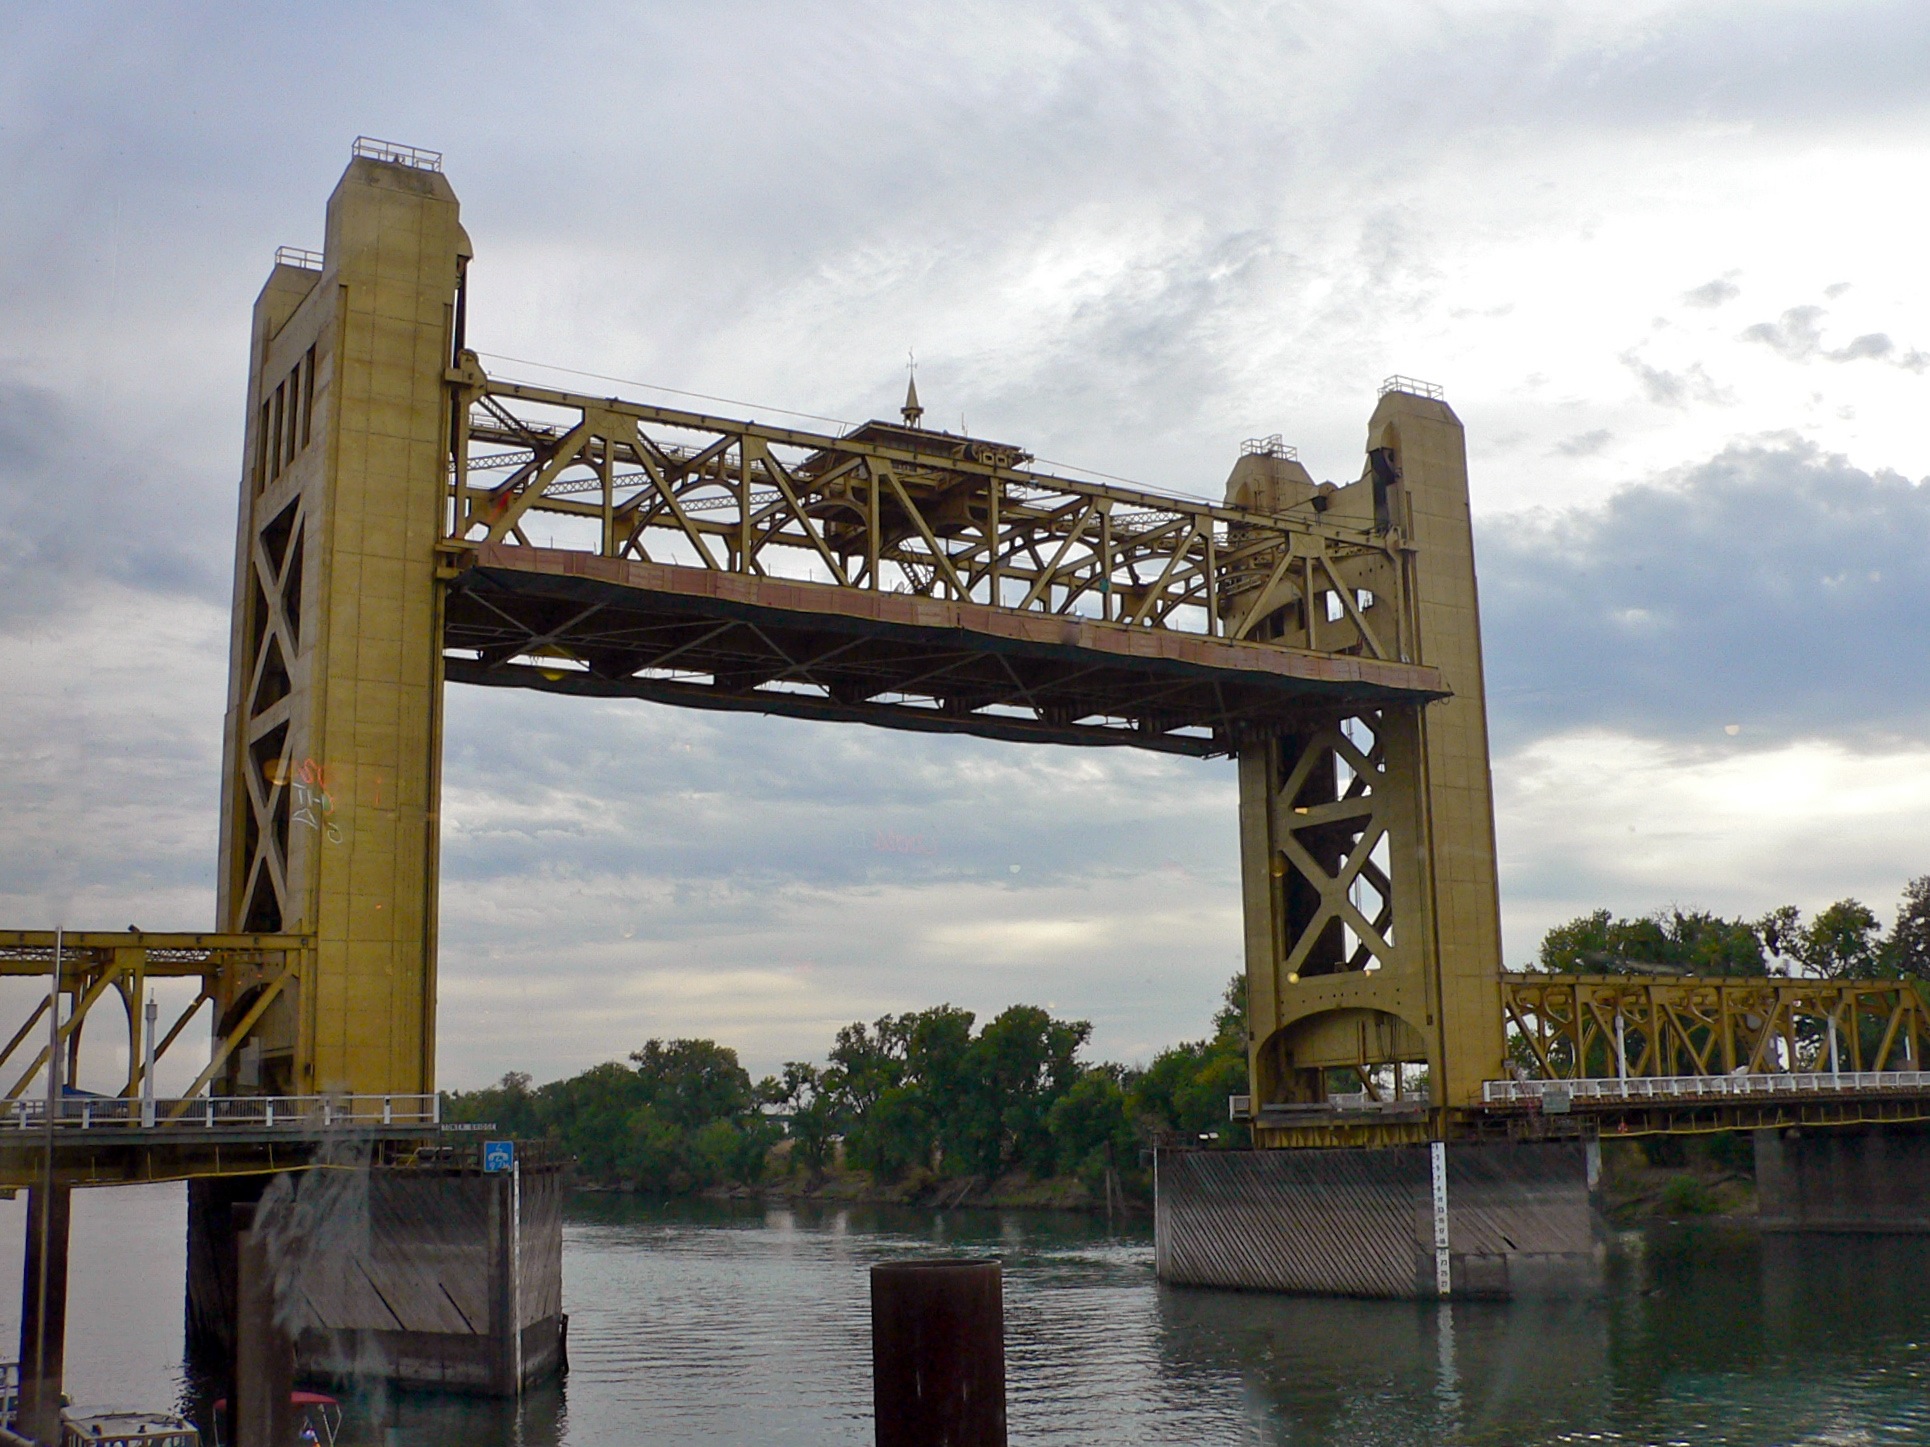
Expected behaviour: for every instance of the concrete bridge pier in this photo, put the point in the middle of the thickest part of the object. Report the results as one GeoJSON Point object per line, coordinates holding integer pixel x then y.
{"type": "Point", "coordinates": [438, 1276]}
{"type": "Point", "coordinates": [43, 1312]}
{"type": "Point", "coordinates": [1483, 1219]}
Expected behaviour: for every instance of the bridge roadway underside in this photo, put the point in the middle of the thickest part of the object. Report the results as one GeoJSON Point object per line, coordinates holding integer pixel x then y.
{"type": "Point", "coordinates": [567, 622]}
{"type": "Point", "coordinates": [112, 1156]}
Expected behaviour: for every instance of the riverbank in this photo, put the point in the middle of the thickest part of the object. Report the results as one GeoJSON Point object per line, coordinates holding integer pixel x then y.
{"type": "Point", "coordinates": [1648, 1181]}
{"type": "Point", "coordinates": [1645, 1181]}
{"type": "Point", "coordinates": [927, 1190]}
{"type": "Point", "coordinates": [1679, 1178]}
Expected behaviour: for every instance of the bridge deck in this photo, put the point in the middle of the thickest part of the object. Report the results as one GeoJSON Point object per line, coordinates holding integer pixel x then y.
{"type": "Point", "coordinates": [710, 639]}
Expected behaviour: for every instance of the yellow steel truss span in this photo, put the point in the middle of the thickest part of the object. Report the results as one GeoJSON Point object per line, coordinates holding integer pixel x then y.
{"type": "Point", "coordinates": [406, 517]}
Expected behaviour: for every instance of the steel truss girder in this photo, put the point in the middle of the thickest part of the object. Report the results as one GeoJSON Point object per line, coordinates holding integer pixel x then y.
{"type": "Point", "coordinates": [95, 965]}
{"type": "Point", "coordinates": [898, 513]}
{"type": "Point", "coordinates": [1570, 1025]}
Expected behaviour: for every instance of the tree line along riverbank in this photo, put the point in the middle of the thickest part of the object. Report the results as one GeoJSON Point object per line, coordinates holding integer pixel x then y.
{"type": "Point", "coordinates": [931, 1107]}
{"type": "Point", "coordinates": [924, 1107]}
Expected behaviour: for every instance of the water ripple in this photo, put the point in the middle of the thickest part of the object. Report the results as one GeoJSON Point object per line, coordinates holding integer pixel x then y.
{"type": "Point", "coordinates": [701, 1324]}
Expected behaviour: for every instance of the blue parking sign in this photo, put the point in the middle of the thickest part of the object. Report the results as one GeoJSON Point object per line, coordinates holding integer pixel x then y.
{"type": "Point", "coordinates": [499, 1155]}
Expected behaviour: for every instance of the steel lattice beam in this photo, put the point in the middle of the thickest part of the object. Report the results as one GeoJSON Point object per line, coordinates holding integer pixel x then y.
{"type": "Point", "coordinates": [898, 576]}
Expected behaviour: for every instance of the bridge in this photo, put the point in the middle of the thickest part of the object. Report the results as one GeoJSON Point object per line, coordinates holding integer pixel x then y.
{"type": "Point", "coordinates": [406, 519]}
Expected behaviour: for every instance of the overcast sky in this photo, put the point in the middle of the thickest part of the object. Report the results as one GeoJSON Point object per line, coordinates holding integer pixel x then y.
{"type": "Point", "coordinates": [1666, 261]}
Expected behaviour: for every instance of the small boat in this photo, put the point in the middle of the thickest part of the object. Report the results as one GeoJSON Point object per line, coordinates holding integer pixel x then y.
{"type": "Point", "coordinates": [126, 1429]}
{"type": "Point", "coordinates": [318, 1419]}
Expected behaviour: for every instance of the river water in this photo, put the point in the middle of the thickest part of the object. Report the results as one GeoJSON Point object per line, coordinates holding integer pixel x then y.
{"type": "Point", "coordinates": [695, 1323]}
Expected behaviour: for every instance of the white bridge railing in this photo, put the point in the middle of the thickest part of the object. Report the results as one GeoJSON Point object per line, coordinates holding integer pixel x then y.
{"type": "Point", "coordinates": [224, 1112]}
{"type": "Point", "coordinates": [1688, 1087]}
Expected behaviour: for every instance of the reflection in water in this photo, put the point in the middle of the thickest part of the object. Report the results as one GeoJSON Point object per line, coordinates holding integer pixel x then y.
{"type": "Point", "coordinates": [695, 1323]}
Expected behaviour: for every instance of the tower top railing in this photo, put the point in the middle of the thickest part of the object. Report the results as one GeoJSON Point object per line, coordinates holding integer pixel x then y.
{"type": "Point", "coordinates": [368, 148]}
{"type": "Point", "coordinates": [298, 256]}
{"type": "Point", "coordinates": [1273, 445]}
{"type": "Point", "coordinates": [1413, 387]}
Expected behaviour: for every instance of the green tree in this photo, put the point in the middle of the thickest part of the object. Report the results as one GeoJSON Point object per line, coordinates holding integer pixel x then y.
{"type": "Point", "coordinates": [650, 1151]}
{"type": "Point", "coordinates": [1908, 950]}
{"type": "Point", "coordinates": [867, 1063]}
{"type": "Point", "coordinates": [693, 1082]}
{"type": "Point", "coordinates": [1229, 1021]}
{"type": "Point", "coordinates": [1091, 1126]}
{"type": "Point", "coordinates": [681, 1114]}
{"type": "Point", "coordinates": [594, 1117]}
{"type": "Point", "coordinates": [895, 1135]}
{"type": "Point", "coordinates": [939, 1062]}
{"type": "Point", "coordinates": [910, 1092]}
{"type": "Point", "coordinates": [1021, 1063]}
{"type": "Point", "coordinates": [1186, 1087]}
{"type": "Point", "coordinates": [814, 1120]}
{"type": "Point", "coordinates": [509, 1105]}
{"type": "Point", "coordinates": [730, 1152]}
{"type": "Point", "coordinates": [1690, 942]}
{"type": "Point", "coordinates": [1843, 942]}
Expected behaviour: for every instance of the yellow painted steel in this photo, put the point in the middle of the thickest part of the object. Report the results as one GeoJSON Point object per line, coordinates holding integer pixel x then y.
{"type": "Point", "coordinates": [95, 965]}
{"type": "Point", "coordinates": [1569, 1027]}
{"type": "Point", "coordinates": [1367, 840]}
{"type": "Point", "coordinates": [333, 741]}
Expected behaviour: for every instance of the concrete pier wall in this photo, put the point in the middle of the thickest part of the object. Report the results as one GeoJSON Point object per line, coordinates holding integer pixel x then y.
{"type": "Point", "coordinates": [422, 1277]}
{"type": "Point", "coordinates": [1844, 1178]}
{"type": "Point", "coordinates": [1360, 1222]}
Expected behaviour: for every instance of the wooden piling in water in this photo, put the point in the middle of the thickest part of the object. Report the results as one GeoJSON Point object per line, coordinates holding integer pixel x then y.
{"type": "Point", "coordinates": [264, 1370]}
{"type": "Point", "coordinates": [938, 1353]}
{"type": "Point", "coordinates": [43, 1312]}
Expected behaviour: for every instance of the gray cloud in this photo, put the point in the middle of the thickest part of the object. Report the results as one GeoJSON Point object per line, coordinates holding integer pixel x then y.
{"type": "Point", "coordinates": [1712, 293]}
{"type": "Point", "coordinates": [1774, 585]}
{"type": "Point", "coordinates": [1005, 122]}
{"type": "Point", "coordinates": [1585, 444]}
{"type": "Point", "coordinates": [1797, 335]}
{"type": "Point", "coordinates": [77, 509]}
{"type": "Point", "coordinates": [1677, 389]}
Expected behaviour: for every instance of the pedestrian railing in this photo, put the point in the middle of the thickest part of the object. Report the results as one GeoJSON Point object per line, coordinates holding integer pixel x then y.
{"type": "Point", "coordinates": [1689, 1087]}
{"type": "Point", "coordinates": [225, 1112]}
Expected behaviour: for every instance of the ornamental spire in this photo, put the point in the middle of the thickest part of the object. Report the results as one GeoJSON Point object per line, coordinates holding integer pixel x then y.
{"type": "Point", "coordinates": [911, 411]}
